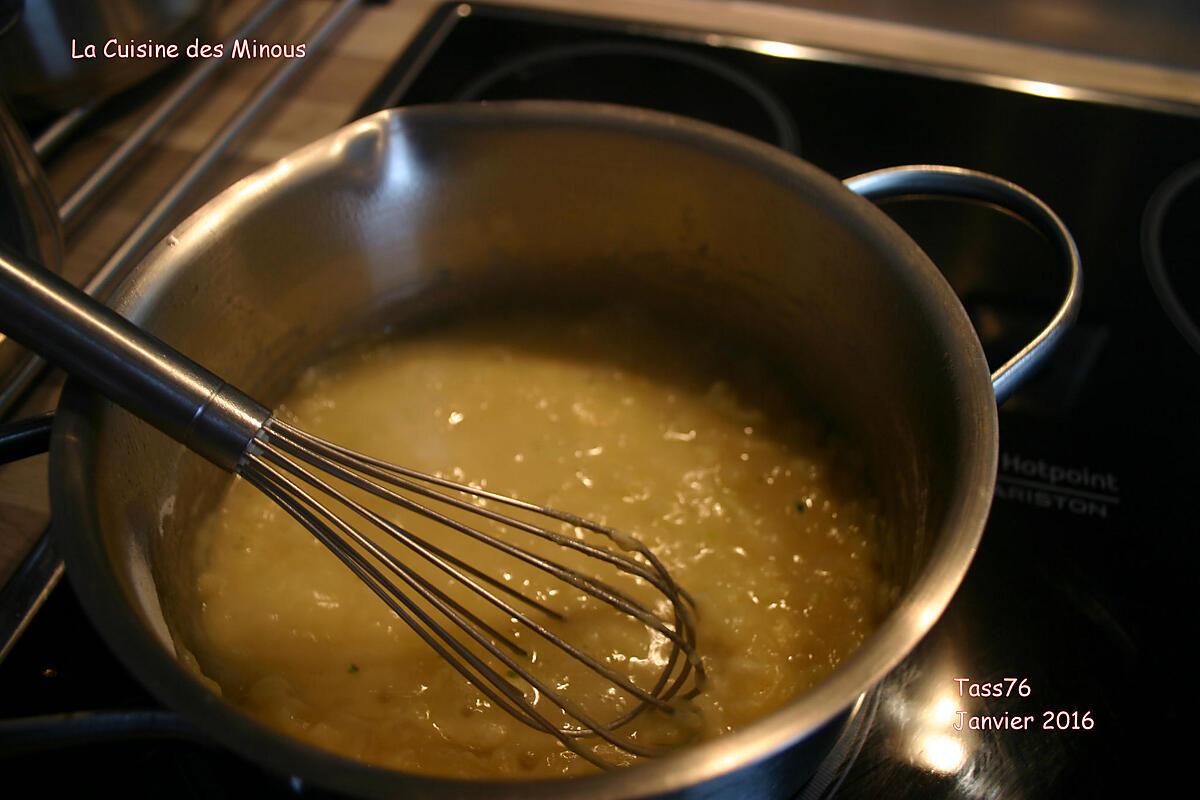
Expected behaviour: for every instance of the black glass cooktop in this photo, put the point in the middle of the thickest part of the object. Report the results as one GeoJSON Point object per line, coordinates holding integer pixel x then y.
{"type": "Point", "coordinates": [1061, 658]}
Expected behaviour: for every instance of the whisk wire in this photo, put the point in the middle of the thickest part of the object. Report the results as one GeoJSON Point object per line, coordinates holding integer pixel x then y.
{"type": "Point", "coordinates": [275, 487]}
{"type": "Point", "coordinates": [276, 463]}
{"type": "Point", "coordinates": [451, 558]}
{"type": "Point", "coordinates": [396, 475]}
{"type": "Point", "coordinates": [602, 591]}
{"type": "Point", "coordinates": [387, 590]}
{"type": "Point", "coordinates": [419, 546]}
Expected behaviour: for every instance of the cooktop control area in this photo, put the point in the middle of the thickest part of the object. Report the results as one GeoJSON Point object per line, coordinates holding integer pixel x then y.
{"type": "Point", "coordinates": [1058, 670]}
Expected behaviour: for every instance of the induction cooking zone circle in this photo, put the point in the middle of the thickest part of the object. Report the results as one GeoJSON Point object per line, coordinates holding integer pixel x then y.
{"type": "Point", "coordinates": [1171, 249]}
{"type": "Point", "coordinates": [653, 76]}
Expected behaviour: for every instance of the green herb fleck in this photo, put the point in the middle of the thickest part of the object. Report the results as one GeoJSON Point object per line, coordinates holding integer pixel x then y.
{"type": "Point", "coordinates": [511, 673]}
{"type": "Point", "coordinates": [801, 506]}
{"type": "Point", "coordinates": [353, 668]}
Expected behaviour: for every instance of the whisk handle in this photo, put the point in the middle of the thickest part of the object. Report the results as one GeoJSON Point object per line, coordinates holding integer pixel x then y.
{"type": "Point", "coordinates": [125, 363]}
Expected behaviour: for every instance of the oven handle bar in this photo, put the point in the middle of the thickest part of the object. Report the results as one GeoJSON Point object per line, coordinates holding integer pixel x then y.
{"type": "Point", "coordinates": [25, 438]}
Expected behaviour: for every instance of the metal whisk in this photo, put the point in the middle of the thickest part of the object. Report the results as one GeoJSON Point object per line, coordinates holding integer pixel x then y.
{"type": "Point", "coordinates": [316, 483]}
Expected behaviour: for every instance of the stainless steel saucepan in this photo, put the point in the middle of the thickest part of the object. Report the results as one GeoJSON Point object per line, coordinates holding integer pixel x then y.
{"type": "Point", "coordinates": [410, 214]}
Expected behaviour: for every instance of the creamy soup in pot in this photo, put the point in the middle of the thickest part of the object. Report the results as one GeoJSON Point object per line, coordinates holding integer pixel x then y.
{"type": "Point", "coordinates": [698, 449]}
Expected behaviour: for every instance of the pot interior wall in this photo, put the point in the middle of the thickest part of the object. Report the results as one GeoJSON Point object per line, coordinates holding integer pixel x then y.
{"type": "Point", "coordinates": [403, 218]}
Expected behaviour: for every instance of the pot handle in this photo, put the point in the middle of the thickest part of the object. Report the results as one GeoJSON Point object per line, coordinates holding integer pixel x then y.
{"type": "Point", "coordinates": [928, 179]}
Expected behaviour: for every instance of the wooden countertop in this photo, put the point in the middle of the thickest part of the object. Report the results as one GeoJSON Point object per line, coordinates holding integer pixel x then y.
{"type": "Point", "coordinates": [335, 80]}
